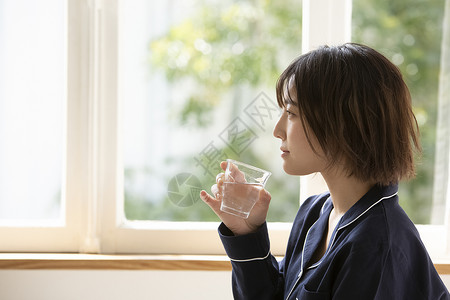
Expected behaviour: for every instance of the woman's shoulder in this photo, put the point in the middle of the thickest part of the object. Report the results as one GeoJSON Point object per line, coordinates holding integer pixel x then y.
{"type": "Point", "coordinates": [385, 227]}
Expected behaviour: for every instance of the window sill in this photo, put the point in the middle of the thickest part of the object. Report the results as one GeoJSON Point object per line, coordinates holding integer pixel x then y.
{"type": "Point", "coordinates": [75, 261]}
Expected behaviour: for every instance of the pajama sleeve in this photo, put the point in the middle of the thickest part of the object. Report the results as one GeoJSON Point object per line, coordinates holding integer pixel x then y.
{"type": "Point", "coordinates": [256, 273]}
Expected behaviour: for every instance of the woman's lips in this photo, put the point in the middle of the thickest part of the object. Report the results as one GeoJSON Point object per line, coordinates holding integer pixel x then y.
{"type": "Point", "coordinates": [284, 152]}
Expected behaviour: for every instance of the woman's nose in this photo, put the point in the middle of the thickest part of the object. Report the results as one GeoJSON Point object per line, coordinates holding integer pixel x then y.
{"type": "Point", "coordinates": [279, 131]}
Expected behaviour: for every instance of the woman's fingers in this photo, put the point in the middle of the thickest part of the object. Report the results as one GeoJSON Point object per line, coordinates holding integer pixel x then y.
{"type": "Point", "coordinates": [210, 201]}
{"type": "Point", "coordinates": [219, 177]}
{"type": "Point", "coordinates": [235, 175]}
{"type": "Point", "coordinates": [216, 191]}
{"type": "Point", "coordinates": [223, 165]}
{"type": "Point", "coordinates": [264, 195]}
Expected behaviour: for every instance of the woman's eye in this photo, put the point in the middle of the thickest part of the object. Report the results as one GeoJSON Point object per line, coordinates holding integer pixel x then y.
{"type": "Point", "coordinates": [289, 113]}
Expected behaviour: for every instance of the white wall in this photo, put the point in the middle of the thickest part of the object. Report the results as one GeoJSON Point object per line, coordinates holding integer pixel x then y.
{"type": "Point", "coordinates": [114, 285]}
{"type": "Point", "coordinates": [117, 285]}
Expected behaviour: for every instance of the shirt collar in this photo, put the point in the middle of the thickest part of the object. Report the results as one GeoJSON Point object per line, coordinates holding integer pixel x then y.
{"type": "Point", "coordinates": [373, 197]}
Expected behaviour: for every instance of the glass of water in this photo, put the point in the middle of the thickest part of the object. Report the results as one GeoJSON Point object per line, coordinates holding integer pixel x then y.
{"type": "Point", "coordinates": [241, 187]}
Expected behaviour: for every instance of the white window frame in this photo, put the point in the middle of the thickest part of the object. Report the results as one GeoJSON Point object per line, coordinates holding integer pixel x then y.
{"type": "Point", "coordinates": [95, 221]}
{"type": "Point", "coordinates": [60, 236]}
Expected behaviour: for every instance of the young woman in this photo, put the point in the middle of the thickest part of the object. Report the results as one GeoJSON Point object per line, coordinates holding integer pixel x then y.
{"type": "Point", "coordinates": [346, 114]}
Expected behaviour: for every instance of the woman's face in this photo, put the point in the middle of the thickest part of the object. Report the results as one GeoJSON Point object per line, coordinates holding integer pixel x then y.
{"type": "Point", "coordinates": [298, 156]}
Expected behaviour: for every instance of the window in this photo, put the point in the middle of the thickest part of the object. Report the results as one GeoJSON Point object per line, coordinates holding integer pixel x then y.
{"type": "Point", "coordinates": [410, 34]}
{"type": "Point", "coordinates": [197, 86]}
{"type": "Point", "coordinates": [140, 78]}
{"type": "Point", "coordinates": [33, 91]}
{"type": "Point", "coordinates": [32, 119]}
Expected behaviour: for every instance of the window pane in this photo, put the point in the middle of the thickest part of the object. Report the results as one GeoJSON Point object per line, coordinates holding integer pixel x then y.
{"type": "Point", "coordinates": [197, 85]}
{"type": "Point", "coordinates": [32, 95]}
{"type": "Point", "coordinates": [409, 32]}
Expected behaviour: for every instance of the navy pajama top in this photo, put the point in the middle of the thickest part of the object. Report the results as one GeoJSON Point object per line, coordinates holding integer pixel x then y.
{"type": "Point", "coordinates": [375, 252]}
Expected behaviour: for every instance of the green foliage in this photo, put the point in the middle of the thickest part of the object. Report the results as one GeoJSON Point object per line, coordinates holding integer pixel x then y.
{"type": "Point", "coordinates": [230, 44]}
{"type": "Point", "coordinates": [244, 44]}
{"type": "Point", "coordinates": [213, 53]}
{"type": "Point", "coordinates": [409, 32]}
{"type": "Point", "coordinates": [140, 206]}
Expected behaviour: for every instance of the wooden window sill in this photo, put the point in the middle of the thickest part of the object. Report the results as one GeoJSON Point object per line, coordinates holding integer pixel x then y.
{"type": "Point", "coordinates": [75, 261]}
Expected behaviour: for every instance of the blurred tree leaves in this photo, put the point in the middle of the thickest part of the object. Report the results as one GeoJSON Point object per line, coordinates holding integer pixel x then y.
{"type": "Point", "coordinates": [226, 45]}
{"type": "Point", "coordinates": [238, 44]}
{"type": "Point", "coordinates": [224, 48]}
{"type": "Point", "coordinates": [409, 33]}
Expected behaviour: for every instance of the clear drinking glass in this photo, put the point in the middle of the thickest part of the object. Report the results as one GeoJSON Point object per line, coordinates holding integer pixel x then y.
{"type": "Point", "coordinates": [241, 187]}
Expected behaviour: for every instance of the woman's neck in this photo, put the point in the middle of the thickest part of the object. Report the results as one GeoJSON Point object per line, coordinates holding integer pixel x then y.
{"type": "Point", "coordinates": [345, 190]}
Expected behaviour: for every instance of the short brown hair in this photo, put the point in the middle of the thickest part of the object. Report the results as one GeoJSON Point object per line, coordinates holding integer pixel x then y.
{"type": "Point", "coordinates": [357, 105]}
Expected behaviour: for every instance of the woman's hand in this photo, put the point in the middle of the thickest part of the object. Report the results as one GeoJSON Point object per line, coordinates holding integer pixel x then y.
{"type": "Point", "coordinates": [237, 225]}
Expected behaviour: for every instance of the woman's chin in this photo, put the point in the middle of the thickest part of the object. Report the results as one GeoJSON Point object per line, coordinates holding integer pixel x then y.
{"type": "Point", "coordinates": [288, 170]}
{"type": "Point", "coordinates": [295, 172]}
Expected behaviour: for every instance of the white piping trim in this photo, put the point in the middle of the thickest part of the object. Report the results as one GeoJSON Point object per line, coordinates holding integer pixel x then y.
{"type": "Point", "coordinates": [323, 205]}
{"type": "Point", "coordinates": [387, 197]}
{"type": "Point", "coordinates": [303, 255]}
{"type": "Point", "coordinates": [332, 242]}
{"type": "Point", "coordinates": [295, 285]}
{"type": "Point", "coordinates": [303, 251]}
{"type": "Point", "coordinates": [334, 237]}
{"type": "Point", "coordinates": [250, 259]}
